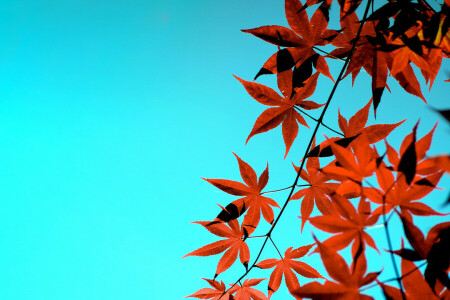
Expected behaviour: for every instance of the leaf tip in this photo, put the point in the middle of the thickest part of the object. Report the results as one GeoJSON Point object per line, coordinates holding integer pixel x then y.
{"type": "Point", "coordinates": [240, 80]}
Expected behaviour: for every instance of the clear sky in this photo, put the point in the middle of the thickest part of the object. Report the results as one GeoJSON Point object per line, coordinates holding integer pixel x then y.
{"type": "Point", "coordinates": [111, 111]}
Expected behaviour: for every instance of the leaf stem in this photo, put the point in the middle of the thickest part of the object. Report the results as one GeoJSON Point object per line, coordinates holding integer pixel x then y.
{"type": "Point", "coordinates": [328, 54]}
{"type": "Point", "coordinates": [302, 185]}
{"type": "Point", "coordinates": [274, 191]}
{"type": "Point", "coordinates": [256, 236]}
{"type": "Point", "coordinates": [308, 115]}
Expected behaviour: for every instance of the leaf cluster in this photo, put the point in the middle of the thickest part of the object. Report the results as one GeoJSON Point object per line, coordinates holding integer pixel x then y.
{"type": "Point", "coordinates": [353, 185]}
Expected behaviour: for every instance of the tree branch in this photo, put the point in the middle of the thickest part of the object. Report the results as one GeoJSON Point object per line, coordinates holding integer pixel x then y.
{"type": "Point", "coordinates": [319, 122]}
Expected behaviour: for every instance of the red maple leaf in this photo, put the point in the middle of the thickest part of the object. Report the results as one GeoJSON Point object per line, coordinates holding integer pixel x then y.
{"type": "Point", "coordinates": [253, 202]}
{"type": "Point", "coordinates": [403, 55]}
{"type": "Point", "coordinates": [317, 192]}
{"type": "Point", "coordinates": [410, 47]}
{"type": "Point", "coordinates": [349, 227]}
{"type": "Point", "coordinates": [406, 48]}
{"type": "Point", "coordinates": [407, 79]}
{"type": "Point", "coordinates": [408, 185]}
{"type": "Point", "coordinates": [247, 292]}
{"type": "Point", "coordinates": [234, 244]}
{"type": "Point", "coordinates": [351, 166]}
{"type": "Point", "coordinates": [356, 126]}
{"type": "Point", "coordinates": [284, 108]}
{"type": "Point", "coordinates": [215, 293]}
{"type": "Point", "coordinates": [300, 41]}
{"type": "Point", "coordinates": [349, 26]}
{"type": "Point", "coordinates": [424, 166]}
{"type": "Point", "coordinates": [349, 280]}
{"type": "Point", "coordinates": [366, 54]}
{"type": "Point", "coordinates": [398, 193]}
{"type": "Point", "coordinates": [285, 266]}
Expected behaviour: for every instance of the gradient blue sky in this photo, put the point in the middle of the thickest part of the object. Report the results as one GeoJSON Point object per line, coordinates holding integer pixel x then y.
{"type": "Point", "coordinates": [111, 111]}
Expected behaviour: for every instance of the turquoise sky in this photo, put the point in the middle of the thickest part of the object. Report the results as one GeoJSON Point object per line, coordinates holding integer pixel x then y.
{"type": "Point", "coordinates": [111, 111]}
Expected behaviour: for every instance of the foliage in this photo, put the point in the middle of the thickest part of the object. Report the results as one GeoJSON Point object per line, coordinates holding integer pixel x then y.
{"type": "Point", "coordinates": [359, 186]}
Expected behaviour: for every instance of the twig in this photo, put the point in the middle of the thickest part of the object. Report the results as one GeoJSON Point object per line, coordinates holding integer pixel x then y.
{"type": "Point", "coordinates": [279, 253]}
{"type": "Point", "coordinates": [328, 54]}
{"type": "Point", "coordinates": [388, 237]}
{"type": "Point", "coordinates": [386, 229]}
{"type": "Point", "coordinates": [392, 279]}
{"type": "Point", "coordinates": [308, 115]}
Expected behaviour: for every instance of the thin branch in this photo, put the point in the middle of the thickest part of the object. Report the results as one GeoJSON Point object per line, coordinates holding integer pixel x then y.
{"type": "Point", "coordinates": [388, 238]}
{"type": "Point", "coordinates": [392, 213]}
{"type": "Point", "coordinates": [393, 279]}
{"type": "Point", "coordinates": [386, 229]}
{"type": "Point", "coordinates": [302, 185]}
{"type": "Point", "coordinates": [279, 253]}
{"type": "Point", "coordinates": [308, 115]}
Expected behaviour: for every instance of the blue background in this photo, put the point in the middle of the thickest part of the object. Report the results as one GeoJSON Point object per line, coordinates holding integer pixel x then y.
{"type": "Point", "coordinates": [111, 111]}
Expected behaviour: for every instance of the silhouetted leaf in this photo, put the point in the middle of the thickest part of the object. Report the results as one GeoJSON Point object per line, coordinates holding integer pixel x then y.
{"type": "Point", "coordinates": [408, 161]}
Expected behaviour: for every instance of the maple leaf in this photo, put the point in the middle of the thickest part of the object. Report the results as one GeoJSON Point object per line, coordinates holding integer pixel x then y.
{"type": "Point", "coordinates": [424, 166]}
{"type": "Point", "coordinates": [435, 249]}
{"type": "Point", "coordinates": [398, 193]}
{"type": "Point", "coordinates": [350, 177]}
{"type": "Point", "coordinates": [301, 40]}
{"type": "Point", "coordinates": [215, 293]}
{"type": "Point", "coordinates": [353, 166]}
{"type": "Point", "coordinates": [349, 28]}
{"type": "Point", "coordinates": [366, 54]}
{"type": "Point", "coordinates": [408, 186]}
{"type": "Point", "coordinates": [356, 126]}
{"type": "Point", "coordinates": [416, 288]}
{"type": "Point", "coordinates": [286, 266]}
{"type": "Point", "coordinates": [317, 192]}
{"type": "Point", "coordinates": [348, 228]}
{"type": "Point", "coordinates": [253, 202]}
{"type": "Point", "coordinates": [233, 245]}
{"type": "Point", "coordinates": [349, 280]}
{"type": "Point", "coordinates": [284, 108]}
{"type": "Point", "coordinates": [407, 80]}
{"type": "Point", "coordinates": [403, 55]}
{"type": "Point", "coordinates": [247, 292]}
